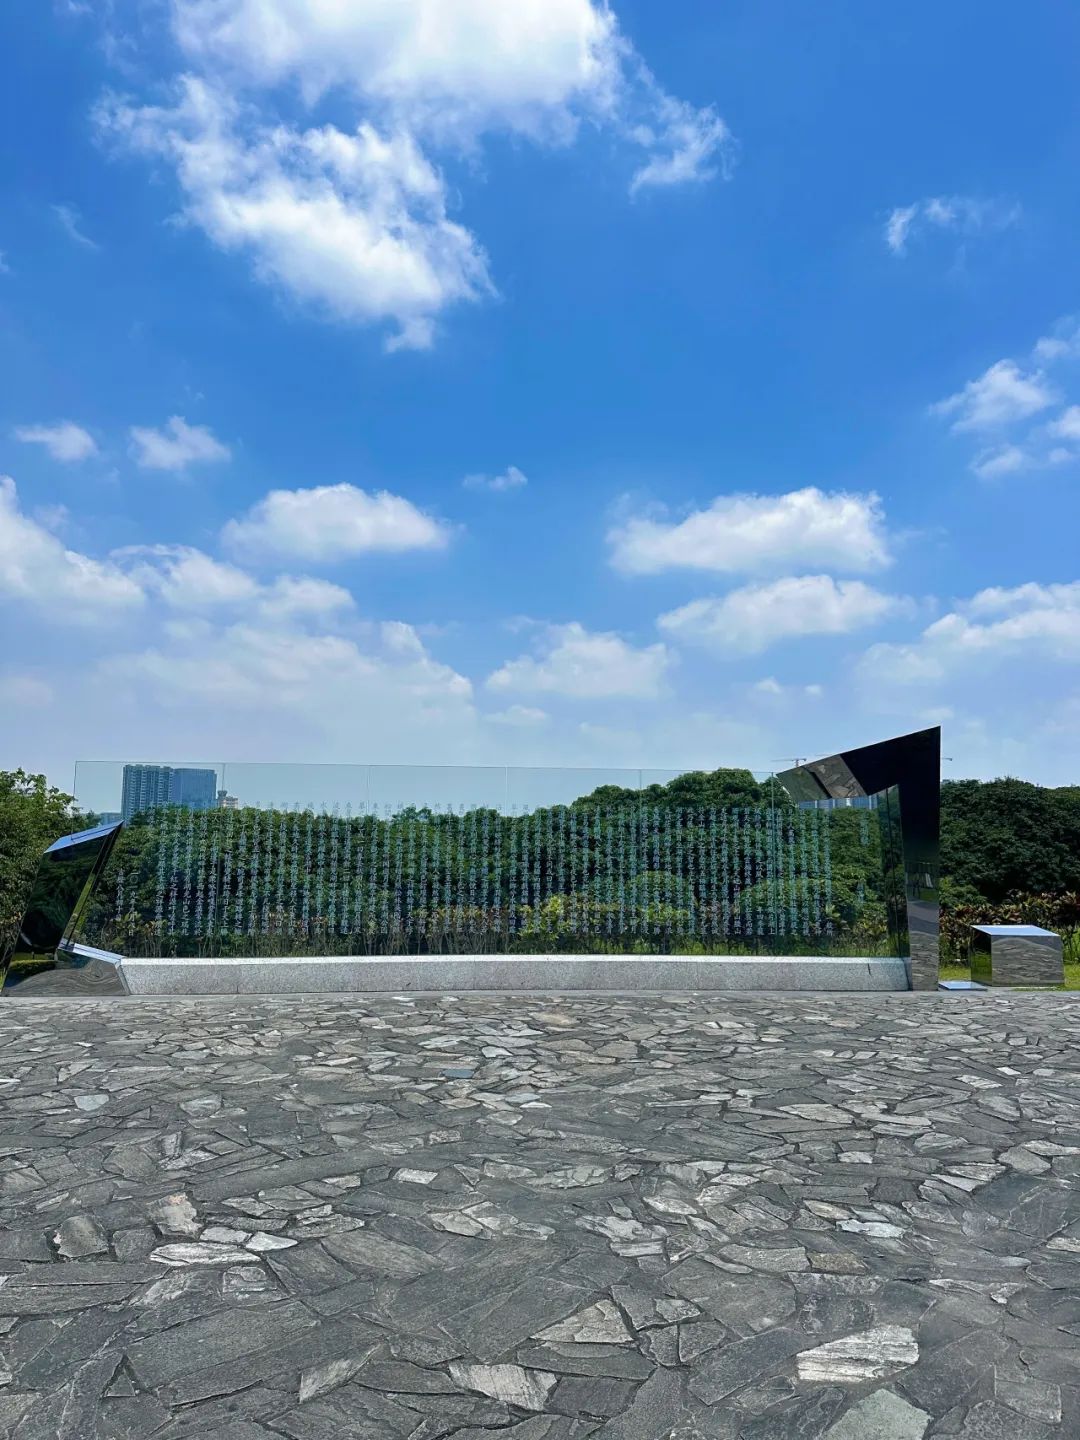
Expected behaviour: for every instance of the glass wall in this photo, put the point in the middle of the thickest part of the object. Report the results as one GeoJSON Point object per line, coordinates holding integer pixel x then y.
{"type": "Point", "coordinates": [383, 860]}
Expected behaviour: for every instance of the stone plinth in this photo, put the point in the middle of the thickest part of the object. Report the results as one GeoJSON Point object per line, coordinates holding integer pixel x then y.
{"type": "Point", "coordinates": [454, 973]}
{"type": "Point", "coordinates": [1016, 955]}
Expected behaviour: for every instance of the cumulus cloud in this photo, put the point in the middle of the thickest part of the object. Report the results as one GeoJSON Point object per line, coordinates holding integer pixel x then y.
{"type": "Point", "coordinates": [176, 446]}
{"type": "Point", "coordinates": [583, 665]}
{"type": "Point", "coordinates": [352, 224]}
{"type": "Point", "coordinates": [39, 572]}
{"type": "Point", "coordinates": [64, 440]}
{"type": "Point", "coordinates": [1023, 622]}
{"type": "Point", "coordinates": [771, 689]}
{"type": "Point", "coordinates": [959, 214]}
{"type": "Point", "coordinates": [1000, 396]}
{"type": "Point", "coordinates": [1062, 344]}
{"type": "Point", "coordinates": [1001, 460]}
{"type": "Point", "coordinates": [452, 70]}
{"type": "Point", "coordinates": [1067, 425]}
{"type": "Point", "coordinates": [331, 522]}
{"type": "Point", "coordinates": [293, 597]}
{"type": "Point", "coordinates": [750, 619]}
{"type": "Point", "coordinates": [254, 667]}
{"type": "Point", "coordinates": [510, 479]}
{"type": "Point", "coordinates": [750, 533]}
{"type": "Point", "coordinates": [353, 220]}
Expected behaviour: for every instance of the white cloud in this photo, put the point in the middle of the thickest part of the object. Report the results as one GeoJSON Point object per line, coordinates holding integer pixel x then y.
{"type": "Point", "coordinates": [38, 571]}
{"type": "Point", "coordinates": [1002, 460]}
{"type": "Point", "coordinates": [582, 665]}
{"type": "Point", "coordinates": [687, 144]}
{"type": "Point", "coordinates": [330, 522]}
{"type": "Point", "coordinates": [71, 222]}
{"type": "Point", "coordinates": [5, 268]}
{"type": "Point", "coordinates": [1001, 396]}
{"type": "Point", "coordinates": [253, 667]}
{"type": "Point", "coordinates": [960, 214]}
{"type": "Point", "coordinates": [353, 221]}
{"type": "Point", "coordinates": [897, 227]}
{"type": "Point", "coordinates": [453, 70]}
{"type": "Point", "coordinates": [749, 620]}
{"type": "Point", "coordinates": [191, 582]}
{"type": "Point", "coordinates": [186, 578]}
{"type": "Point", "coordinates": [521, 717]}
{"type": "Point", "coordinates": [176, 446]}
{"type": "Point", "coordinates": [352, 224]}
{"type": "Point", "coordinates": [64, 440]}
{"type": "Point", "coordinates": [449, 65]}
{"type": "Point", "coordinates": [1062, 344]}
{"type": "Point", "coordinates": [510, 479]}
{"type": "Point", "coordinates": [771, 689]}
{"type": "Point", "coordinates": [1067, 425]}
{"type": "Point", "coordinates": [749, 533]}
{"type": "Point", "coordinates": [296, 597]}
{"type": "Point", "coordinates": [1022, 623]}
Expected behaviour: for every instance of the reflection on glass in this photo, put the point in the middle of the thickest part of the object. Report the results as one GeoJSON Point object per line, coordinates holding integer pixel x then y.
{"type": "Point", "coordinates": [64, 890]}
{"type": "Point", "coordinates": [384, 860]}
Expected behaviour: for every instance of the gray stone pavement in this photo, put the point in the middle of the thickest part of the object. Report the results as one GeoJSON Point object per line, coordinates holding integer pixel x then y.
{"type": "Point", "coordinates": [541, 1218]}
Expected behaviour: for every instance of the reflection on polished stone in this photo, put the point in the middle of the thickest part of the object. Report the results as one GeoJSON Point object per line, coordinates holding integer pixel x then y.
{"type": "Point", "coordinates": [908, 770]}
{"type": "Point", "coordinates": [1016, 955]}
{"type": "Point", "coordinates": [46, 961]}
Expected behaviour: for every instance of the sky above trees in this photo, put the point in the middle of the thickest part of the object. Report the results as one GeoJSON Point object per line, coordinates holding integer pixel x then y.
{"type": "Point", "coordinates": [448, 381]}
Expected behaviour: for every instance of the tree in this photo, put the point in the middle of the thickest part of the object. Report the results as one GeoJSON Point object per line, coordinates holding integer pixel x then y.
{"type": "Point", "coordinates": [33, 814]}
{"type": "Point", "coordinates": [1003, 836]}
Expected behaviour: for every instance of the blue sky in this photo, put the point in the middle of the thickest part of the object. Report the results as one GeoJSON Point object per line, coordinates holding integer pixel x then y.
{"type": "Point", "coordinates": [448, 381]}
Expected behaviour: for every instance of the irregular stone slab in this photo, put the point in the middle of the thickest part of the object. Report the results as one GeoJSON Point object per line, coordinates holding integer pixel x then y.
{"type": "Point", "coordinates": [528, 1389]}
{"type": "Point", "coordinates": [739, 1364]}
{"type": "Point", "coordinates": [1038, 1399]}
{"type": "Point", "coordinates": [599, 1324]}
{"type": "Point", "coordinates": [868, 1355]}
{"type": "Point", "coordinates": [212, 1339]}
{"type": "Point", "coordinates": [804, 1418]}
{"type": "Point", "coordinates": [367, 1250]}
{"type": "Point", "coordinates": [198, 1253]}
{"type": "Point", "coordinates": [655, 1411]}
{"type": "Point", "coordinates": [175, 1215]}
{"type": "Point", "coordinates": [882, 1415]}
{"type": "Point", "coordinates": [322, 1378]}
{"type": "Point", "coordinates": [261, 1242]}
{"type": "Point", "coordinates": [79, 1236]}
{"type": "Point", "coordinates": [990, 1421]}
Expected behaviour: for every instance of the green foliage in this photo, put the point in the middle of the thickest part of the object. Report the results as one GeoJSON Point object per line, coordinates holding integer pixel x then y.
{"type": "Point", "coordinates": [621, 870]}
{"type": "Point", "coordinates": [33, 814]}
{"type": "Point", "coordinates": [1004, 837]}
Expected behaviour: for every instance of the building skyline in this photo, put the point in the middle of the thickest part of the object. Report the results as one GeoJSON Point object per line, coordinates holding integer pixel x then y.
{"type": "Point", "coordinates": [146, 787]}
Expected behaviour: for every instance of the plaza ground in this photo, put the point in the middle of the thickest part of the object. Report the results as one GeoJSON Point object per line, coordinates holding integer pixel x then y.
{"type": "Point", "coordinates": [526, 1217]}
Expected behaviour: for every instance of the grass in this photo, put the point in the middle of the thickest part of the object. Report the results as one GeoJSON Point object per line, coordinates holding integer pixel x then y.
{"type": "Point", "coordinates": [952, 971]}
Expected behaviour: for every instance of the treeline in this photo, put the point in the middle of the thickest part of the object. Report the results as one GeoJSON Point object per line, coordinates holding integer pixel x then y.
{"type": "Point", "coordinates": [1001, 838]}
{"type": "Point", "coordinates": [712, 862]}
{"type": "Point", "coordinates": [1010, 849]}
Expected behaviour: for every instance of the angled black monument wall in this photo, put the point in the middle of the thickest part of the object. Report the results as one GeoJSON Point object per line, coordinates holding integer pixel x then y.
{"type": "Point", "coordinates": [908, 771]}
{"type": "Point", "coordinates": [46, 959]}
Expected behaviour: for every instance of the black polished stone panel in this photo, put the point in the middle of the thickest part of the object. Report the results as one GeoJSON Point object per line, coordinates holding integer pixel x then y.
{"type": "Point", "coordinates": [909, 767]}
{"type": "Point", "coordinates": [46, 961]}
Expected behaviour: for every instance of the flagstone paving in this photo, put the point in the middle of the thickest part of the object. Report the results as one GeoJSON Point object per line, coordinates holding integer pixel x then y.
{"type": "Point", "coordinates": [538, 1218]}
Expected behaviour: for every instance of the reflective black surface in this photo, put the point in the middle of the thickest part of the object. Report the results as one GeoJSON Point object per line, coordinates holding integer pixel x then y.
{"type": "Point", "coordinates": [910, 764]}
{"type": "Point", "coordinates": [45, 961]}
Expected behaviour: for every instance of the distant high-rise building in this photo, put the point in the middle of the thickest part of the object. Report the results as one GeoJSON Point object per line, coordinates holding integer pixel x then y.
{"type": "Point", "coordinates": [148, 786]}
{"type": "Point", "coordinates": [225, 801]}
